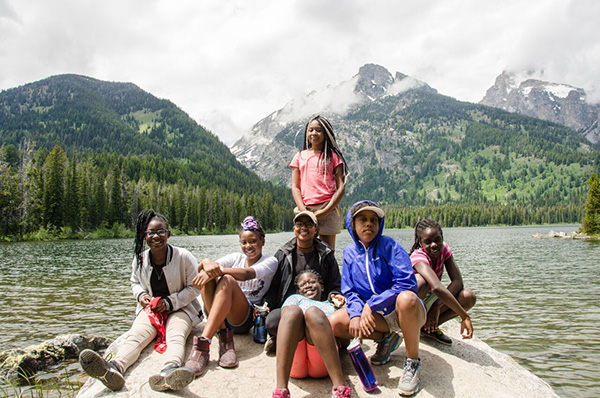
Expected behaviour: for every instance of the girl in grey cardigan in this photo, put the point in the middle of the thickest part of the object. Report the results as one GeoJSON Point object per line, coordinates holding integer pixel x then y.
{"type": "Point", "coordinates": [161, 282]}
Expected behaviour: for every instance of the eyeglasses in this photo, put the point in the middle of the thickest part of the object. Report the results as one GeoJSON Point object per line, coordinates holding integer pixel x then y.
{"type": "Point", "coordinates": [159, 232]}
{"type": "Point", "coordinates": [311, 282]}
{"type": "Point", "coordinates": [307, 224]}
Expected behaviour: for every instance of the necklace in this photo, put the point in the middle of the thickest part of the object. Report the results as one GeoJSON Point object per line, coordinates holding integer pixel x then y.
{"type": "Point", "coordinates": [160, 269]}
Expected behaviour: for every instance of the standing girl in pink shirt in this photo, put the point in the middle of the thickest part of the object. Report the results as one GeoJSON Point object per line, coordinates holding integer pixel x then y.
{"type": "Point", "coordinates": [319, 178]}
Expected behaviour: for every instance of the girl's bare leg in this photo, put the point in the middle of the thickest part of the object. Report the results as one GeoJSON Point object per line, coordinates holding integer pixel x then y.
{"type": "Point", "coordinates": [329, 239]}
{"type": "Point", "coordinates": [289, 333]}
{"type": "Point", "coordinates": [319, 333]}
{"type": "Point", "coordinates": [467, 300]}
{"type": "Point", "coordinates": [228, 302]}
{"type": "Point", "coordinates": [411, 317]}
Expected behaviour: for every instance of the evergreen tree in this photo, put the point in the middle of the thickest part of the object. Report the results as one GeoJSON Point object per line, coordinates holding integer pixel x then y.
{"type": "Point", "coordinates": [116, 203]}
{"type": "Point", "coordinates": [72, 199]}
{"type": "Point", "coordinates": [591, 221]}
{"type": "Point", "coordinates": [54, 188]}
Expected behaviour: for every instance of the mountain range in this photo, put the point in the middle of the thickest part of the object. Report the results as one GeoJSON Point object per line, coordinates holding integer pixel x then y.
{"type": "Point", "coordinates": [406, 144]}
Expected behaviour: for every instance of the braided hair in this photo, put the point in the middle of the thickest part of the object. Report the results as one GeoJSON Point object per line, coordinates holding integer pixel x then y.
{"type": "Point", "coordinates": [330, 147]}
{"type": "Point", "coordinates": [309, 271]}
{"type": "Point", "coordinates": [421, 226]}
{"type": "Point", "coordinates": [141, 223]}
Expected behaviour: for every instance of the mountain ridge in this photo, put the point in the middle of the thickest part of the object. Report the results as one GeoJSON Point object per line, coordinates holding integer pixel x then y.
{"type": "Point", "coordinates": [415, 146]}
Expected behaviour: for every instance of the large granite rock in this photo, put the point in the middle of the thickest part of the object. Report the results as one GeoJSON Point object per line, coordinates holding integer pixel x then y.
{"type": "Point", "coordinates": [26, 362]}
{"type": "Point", "coordinates": [468, 368]}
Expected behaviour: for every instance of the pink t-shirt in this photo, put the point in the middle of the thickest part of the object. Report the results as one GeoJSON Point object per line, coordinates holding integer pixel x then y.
{"type": "Point", "coordinates": [420, 256]}
{"type": "Point", "coordinates": [316, 188]}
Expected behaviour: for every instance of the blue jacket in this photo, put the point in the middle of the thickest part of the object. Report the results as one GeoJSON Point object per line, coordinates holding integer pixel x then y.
{"type": "Point", "coordinates": [375, 276]}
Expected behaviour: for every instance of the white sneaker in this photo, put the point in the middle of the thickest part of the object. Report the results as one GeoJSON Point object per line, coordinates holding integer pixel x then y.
{"type": "Point", "coordinates": [409, 382]}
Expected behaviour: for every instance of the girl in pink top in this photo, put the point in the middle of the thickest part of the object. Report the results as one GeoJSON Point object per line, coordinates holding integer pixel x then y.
{"type": "Point", "coordinates": [429, 256]}
{"type": "Point", "coordinates": [319, 178]}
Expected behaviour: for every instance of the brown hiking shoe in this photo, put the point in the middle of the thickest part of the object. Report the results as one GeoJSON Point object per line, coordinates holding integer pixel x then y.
{"type": "Point", "coordinates": [199, 357]}
{"type": "Point", "coordinates": [227, 355]}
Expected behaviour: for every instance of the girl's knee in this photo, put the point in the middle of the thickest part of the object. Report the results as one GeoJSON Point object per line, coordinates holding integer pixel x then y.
{"type": "Point", "coordinates": [226, 280]}
{"type": "Point", "coordinates": [290, 313]}
{"type": "Point", "coordinates": [314, 316]}
{"type": "Point", "coordinates": [407, 301]}
{"type": "Point", "coordinates": [339, 321]}
{"type": "Point", "coordinates": [467, 298]}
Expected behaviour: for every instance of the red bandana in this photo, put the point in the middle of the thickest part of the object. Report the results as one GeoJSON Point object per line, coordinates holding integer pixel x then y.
{"type": "Point", "coordinates": [158, 320]}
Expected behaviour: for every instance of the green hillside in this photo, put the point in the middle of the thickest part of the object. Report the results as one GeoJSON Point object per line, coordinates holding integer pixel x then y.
{"type": "Point", "coordinates": [458, 152]}
{"type": "Point", "coordinates": [84, 154]}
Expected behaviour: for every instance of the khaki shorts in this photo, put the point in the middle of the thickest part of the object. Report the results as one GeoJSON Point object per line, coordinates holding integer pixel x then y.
{"type": "Point", "coordinates": [332, 225]}
{"type": "Point", "coordinates": [429, 300]}
{"type": "Point", "coordinates": [392, 319]}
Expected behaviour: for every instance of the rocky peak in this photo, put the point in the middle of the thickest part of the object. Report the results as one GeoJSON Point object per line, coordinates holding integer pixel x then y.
{"type": "Point", "coordinates": [555, 102]}
{"type": "Point", "coordinates": [373, 81]}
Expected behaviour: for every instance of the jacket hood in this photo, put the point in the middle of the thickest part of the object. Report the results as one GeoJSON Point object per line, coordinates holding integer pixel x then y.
{"type": "Point", "coordinates": [349, 224]}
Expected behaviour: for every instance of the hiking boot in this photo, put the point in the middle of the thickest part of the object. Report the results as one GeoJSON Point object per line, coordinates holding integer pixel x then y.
{"type": "Point", "coordinates": [341, 392]}
{"type": "Point", "coordinates": [437, 335]}
{"type": "Point", "coordinates": [199, 356]}
{"type": "Point", "coordinates": [227, 355]}
{"type": "Point", "coordinates": [109, 373]}
{"type": "Point", "coordinates": [172, 377]}
{"type": "Point", "coordinates": [270, 345]}
{"type": "Point", "coordinates": [409, 382]}
{"type": "Point", "coordinates": [385, 346]}
{"type": "Point", "coordinates": [281, 393]}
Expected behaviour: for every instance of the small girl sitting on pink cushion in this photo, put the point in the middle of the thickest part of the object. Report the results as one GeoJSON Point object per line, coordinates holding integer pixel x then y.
{"type": "Point", "coordinates": [305, 342]}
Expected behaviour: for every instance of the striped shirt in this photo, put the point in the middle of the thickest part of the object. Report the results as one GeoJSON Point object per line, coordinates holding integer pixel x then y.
{"type": "Point", "coordinates": [420, 256]}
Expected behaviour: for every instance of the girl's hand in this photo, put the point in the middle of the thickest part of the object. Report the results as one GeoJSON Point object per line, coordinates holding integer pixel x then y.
{"type": "Point", "coordinates": [161, 306]}
{"type": "Point", "coordinates": [321, 214]}
{"type": "Point", "coordinates": [433, 315]}
{"type": "Point", "coordinates": [367, 321]}
{"type": "Point", "coordinates": [354, 328]}
{"type": "Point", "coordinates": [212, 268]}
{"type": "Point", "coordinates": [466, 325]}
{"type": "Point", "coordinates": [201, 279]}
{"type": "Point", "coordinates": [145, 300]}
{"type": "Point", "coordinates": [338, 300]}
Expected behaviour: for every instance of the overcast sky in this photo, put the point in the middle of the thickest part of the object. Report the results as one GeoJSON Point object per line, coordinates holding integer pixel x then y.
{"type": "Point", "coordinates": [229, 63]}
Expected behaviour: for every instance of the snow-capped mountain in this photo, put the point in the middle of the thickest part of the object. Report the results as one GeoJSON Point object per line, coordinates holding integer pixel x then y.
{"type": "Point", "coordinates": [285, 127]}
{"type": "Point", "coordinates": [558, 103]}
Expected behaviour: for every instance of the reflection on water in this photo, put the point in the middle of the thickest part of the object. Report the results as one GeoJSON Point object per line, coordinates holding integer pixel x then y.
{"type": "Point", "coordinates": [538, 299]}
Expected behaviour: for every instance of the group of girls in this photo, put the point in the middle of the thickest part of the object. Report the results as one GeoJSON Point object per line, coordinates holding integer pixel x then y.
{"type": "Point", "coordinates": [381, 292]}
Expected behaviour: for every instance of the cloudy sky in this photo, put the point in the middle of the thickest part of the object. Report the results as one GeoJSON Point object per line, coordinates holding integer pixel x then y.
{"type": "Point", "coordinates": [230, 63]}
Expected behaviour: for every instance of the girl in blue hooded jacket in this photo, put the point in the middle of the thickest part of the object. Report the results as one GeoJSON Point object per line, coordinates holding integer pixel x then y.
{"type": "Point", "coordinates": [381, 292]}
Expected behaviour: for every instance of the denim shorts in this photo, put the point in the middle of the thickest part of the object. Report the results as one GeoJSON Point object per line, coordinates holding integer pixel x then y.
{"type": "Point", "coordinates": [246, 324]}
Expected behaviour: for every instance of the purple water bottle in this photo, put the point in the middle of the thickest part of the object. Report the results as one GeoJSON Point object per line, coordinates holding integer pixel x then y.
{"type": "Point", "coordinates": [362, 366]}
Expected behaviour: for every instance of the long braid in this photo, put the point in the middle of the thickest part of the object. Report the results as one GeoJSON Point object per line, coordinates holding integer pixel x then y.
{"type": "Point", "coordinates": [421, 226]}
{"type": "Point", "coordinates": [142, 221]}
{"type": "Point", "coordinates": [331, 145]}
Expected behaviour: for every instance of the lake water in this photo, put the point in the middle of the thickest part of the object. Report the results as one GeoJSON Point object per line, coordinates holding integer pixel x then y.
{"type": "Point", "coordinates": [538, 299]}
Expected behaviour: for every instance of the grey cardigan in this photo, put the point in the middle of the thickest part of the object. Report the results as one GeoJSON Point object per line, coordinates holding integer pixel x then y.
{"type": "Point", "coordinates": [179, 273]}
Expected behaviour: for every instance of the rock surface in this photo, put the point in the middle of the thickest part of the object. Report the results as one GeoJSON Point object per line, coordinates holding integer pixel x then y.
{"type": "Point", "coordinates": [468, 368]}
{"type": "Point", "coordinates": [40, 357]}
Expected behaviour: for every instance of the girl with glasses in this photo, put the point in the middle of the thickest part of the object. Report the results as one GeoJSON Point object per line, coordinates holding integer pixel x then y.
{"type": "Point", "coordinates": [162, 283]}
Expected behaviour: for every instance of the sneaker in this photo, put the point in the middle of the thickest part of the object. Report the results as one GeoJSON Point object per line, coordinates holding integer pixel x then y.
{"type": "Point", "coordinates": [172, 377]}
{"type": "Point", "coordinates": [385, 346]}
{"type": "Point", "coordinates": [437, 335]}
{"type": "Point", "coordinates": [99, 368]}
{"type": "Point", "coordinates": [341, 392]}
{"type": "Point", "coordinates": [281, 393]}
{"type": "Point", "coordinates": [409, 382]}
{"type": "Point", "coordinates": [270, 345]}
